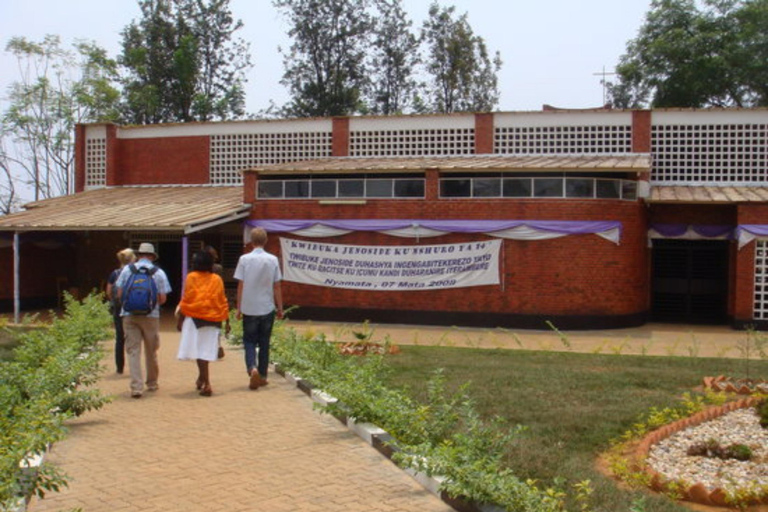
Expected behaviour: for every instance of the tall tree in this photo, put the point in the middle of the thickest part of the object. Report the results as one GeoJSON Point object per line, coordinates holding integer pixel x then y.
{"type": "Point", "coordinates": [325, 68]}
{"type": "Point", "coordinates": [464, 76]}
{"type": "Point", "coordinates": [395, 55]}
{"type": "Point", "coordinates": [691, 56]}
{"type": "Point", "coordinates": [8, 197]}
{"type": "Point", "coordinates": [183, 63]}
{"type": "Point", "coordinates": [56, 89]}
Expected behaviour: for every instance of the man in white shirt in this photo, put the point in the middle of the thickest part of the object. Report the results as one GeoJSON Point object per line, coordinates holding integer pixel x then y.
{"type": "Point", "coordinates": [259, 300]}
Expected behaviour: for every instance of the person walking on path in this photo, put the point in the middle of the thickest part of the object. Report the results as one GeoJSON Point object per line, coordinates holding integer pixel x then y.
{"type": "Point", "coordinates": [218, 268]}
{"type": "Point", "coordinates": [142, 325]}
{"type": "Point", "coordinates": [124, 257]}
{"type": "Point", "coordinates": [259, 300]}
{"type": "Point", "coordinates": [203, 307]}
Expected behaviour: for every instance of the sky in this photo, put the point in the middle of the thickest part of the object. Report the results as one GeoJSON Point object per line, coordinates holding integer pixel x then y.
{"type": "Point", "coordinates": [553, 51]}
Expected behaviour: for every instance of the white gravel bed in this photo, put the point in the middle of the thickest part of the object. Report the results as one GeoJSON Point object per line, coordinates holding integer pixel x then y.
{"type": "Point", "coordinates": [669, 457]}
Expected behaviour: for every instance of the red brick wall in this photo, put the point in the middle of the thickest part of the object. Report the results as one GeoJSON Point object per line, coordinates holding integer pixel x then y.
{"type": "Point", "coordinates": [79, 158]}
{"type": "Point", "coordinates": [340, 143]}
{"type": "Point", "coordinates": [484, 133]}
{"type": "Point", "coordinates": [170, 160]}
{"type": "Point", "coordinates": [577, 275]}
{"type": "Point", "coordinates": [693, 214]}
{"type": "Point", "coordinates": [744, 272]}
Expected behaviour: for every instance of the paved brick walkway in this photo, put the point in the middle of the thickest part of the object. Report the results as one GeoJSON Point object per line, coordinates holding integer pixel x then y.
{"type": "Point", "coordinates": [238, 450]}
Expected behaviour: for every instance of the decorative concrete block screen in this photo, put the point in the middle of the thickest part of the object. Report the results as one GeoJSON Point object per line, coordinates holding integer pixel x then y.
{"type": "Point", "coordinates": [95, 157]}
{"type": "Point", "coordinates": [761, 280]}
{"type": "Point", "coordinates": [562, 133]}
{"type": "Point", "coordinates": [412, 136]}
{"type": "Point", "coordinates": [232, 153]}
{"type": "Point", "coordinates": [714, 148]}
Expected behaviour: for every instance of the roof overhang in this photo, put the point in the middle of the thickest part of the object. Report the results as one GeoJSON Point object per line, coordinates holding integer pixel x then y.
{"type": "Point", "coordinates": [182, 209]}
{"type": "Point", "coordinates": [706, 194]}
{"type": "Point", "coordinates": [628, 162]}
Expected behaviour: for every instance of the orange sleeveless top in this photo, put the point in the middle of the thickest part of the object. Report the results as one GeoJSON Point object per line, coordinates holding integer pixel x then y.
{"type": "Point", "coordinates": [204, 297]}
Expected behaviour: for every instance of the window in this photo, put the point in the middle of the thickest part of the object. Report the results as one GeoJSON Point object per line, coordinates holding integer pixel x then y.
{"type": "Point", "coordinates": [548, 187]}
{"type": "Point", "coordinates": [579, 187]}
{"type": "Point", "coordinates": [545, 186]}
{"type": "Point", "coordinates": [452, 187]}
{"type": "Point", "coordinates": [332, 187]}
{"type": "Point", "coordinates": [518, 187]}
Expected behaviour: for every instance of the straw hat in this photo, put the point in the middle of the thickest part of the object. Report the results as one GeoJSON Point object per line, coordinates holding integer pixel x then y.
{"type": "Point", "coordinates": [147, 248]}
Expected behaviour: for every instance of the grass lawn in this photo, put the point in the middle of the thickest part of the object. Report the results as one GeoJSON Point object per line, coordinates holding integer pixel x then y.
{"type": "Point", "coordinates": [572, 404]}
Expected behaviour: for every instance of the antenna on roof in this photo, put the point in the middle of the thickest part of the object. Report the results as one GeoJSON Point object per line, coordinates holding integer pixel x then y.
{"type": "Point", "coordinates": [604, 82]}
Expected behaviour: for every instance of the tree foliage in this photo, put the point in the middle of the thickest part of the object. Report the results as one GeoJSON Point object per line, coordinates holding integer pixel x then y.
{"type": "Point", "coordinates": [463, 75]}
{"type": "Point", "coordinates": [691, 56]}
{"type": "Point", "coordinates": [56, 89]}
{"type": "Point", "coordinates": [183, 63]}
{"type": "Point", "coordinates": [325, 68]}
{"type": "Point", "coordinates": [394, 58]}
{"type": "Point", "coordinates": [361, 56]}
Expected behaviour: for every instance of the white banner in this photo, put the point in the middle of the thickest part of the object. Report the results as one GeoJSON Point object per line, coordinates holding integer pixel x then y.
{"type": "Point", "coordinates": [391, 267]}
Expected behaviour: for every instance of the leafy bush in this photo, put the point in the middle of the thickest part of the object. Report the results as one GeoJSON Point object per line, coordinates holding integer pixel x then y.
{"type": "Point", "coordinates": [713, 449]}
{"type": "Point", "coordinates": [445, 436]}
{"type": "Point", "coordinates": [762, 412]}
{"type": "Point", "coordinates": [45, 383]}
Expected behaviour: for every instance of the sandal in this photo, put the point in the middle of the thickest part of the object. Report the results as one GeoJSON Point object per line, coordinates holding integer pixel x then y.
{"type": "Point", "coordinates": [206, 391]}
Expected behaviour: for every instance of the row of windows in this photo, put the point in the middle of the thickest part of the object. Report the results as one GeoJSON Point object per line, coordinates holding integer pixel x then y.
{"type": "Point", "coordinates": [342, 188]}
{"type": "Point", "coordinates": [552, 187]}
{"type": "Point", "coordinates": [379, 188]}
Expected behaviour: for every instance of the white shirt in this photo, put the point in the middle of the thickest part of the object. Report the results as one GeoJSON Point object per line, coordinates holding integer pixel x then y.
{"type": "Point", "coordinates": [259, 271]}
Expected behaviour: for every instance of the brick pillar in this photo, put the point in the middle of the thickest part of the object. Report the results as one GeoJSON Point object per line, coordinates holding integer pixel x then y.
{"type": "Point", "coordinates": [114, 176]}
{"type": "Point", "coordinates": [79, 177]}
{"type": "Point", "coordinates": [641, 143]}
{"type": "Point", "coordinates": [432, 188]}
{"type": "Point", "coordinates": [484, 132]}
{"type": "Point", "coordinates": [250, 182]}
{"type": "Point", "coordinates": [340, 137]}
{"type": "Point", "coordinates": [641, 131]}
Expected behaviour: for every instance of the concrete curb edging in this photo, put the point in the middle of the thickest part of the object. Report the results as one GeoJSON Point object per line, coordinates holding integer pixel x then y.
{"type": "Point", "coordinates": [382, 442]}
{"type": "Point", "coordinates": [697, 492]}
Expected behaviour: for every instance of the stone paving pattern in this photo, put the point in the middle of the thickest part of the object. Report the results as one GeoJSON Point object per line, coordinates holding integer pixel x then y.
{"type": "Point", "coordinates": [239, 450]}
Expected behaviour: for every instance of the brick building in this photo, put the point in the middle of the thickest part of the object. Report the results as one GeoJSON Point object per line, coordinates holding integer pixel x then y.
{"type": "Point", "coordinates": [589, 219]}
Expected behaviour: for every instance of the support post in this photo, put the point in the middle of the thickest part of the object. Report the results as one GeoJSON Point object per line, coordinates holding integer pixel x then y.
{"type": "Point", "coordinates": [16, 279]}
{"type": "Point", "coordinates": [184, 262]}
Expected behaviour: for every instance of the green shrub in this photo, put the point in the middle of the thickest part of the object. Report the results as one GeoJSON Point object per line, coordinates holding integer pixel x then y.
{"type": "Point", "coordinates": [46, 382]}
{"type": "Point", "coordinates": [444, 436]}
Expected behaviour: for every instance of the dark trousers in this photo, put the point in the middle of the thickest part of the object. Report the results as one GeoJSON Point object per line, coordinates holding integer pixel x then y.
{"type": "Point", "coordinates": [119, 341]}
{"type": "Point", "coordinates": [257, 331]}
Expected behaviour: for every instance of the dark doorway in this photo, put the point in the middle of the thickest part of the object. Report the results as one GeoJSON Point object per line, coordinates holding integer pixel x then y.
{"type": "Point", "coordinates": [170, 262]}
{"type": "Point", "coordinates": [690, 281]}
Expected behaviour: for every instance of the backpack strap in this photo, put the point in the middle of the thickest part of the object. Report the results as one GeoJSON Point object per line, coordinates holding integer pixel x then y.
{"type": "Point", "coordinates": [132, 268]}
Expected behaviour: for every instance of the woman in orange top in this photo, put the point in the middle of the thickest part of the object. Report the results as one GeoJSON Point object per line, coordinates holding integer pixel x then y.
{"type": "Point", "coordinates": [203, 306]}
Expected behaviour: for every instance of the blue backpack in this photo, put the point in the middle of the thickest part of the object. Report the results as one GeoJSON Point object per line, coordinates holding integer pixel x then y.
{"type": "Point", "coordinates": [140, 291]}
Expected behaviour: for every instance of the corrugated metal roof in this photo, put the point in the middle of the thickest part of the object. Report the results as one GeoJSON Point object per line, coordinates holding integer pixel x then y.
{"type": "Point", "coordinates": [163, 208]}
{"type": "Point", "coordinates": [542, 163]}
{"type": "Point", "coordinates": [707, 194]}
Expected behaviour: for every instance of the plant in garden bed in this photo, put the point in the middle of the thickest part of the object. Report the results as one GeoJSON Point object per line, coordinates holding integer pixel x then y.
{"type": "Point", "coordinates": [443, 436]}
{"type": "Point", "coordinates": [46, 382]}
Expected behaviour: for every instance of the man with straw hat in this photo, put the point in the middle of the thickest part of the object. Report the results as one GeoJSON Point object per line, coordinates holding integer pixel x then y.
{"type": "Point", "coordinates": [142, 326]}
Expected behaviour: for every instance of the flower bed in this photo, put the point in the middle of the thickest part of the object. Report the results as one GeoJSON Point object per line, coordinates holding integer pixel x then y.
{"type": "Point", "coordinates": [647, 456]}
